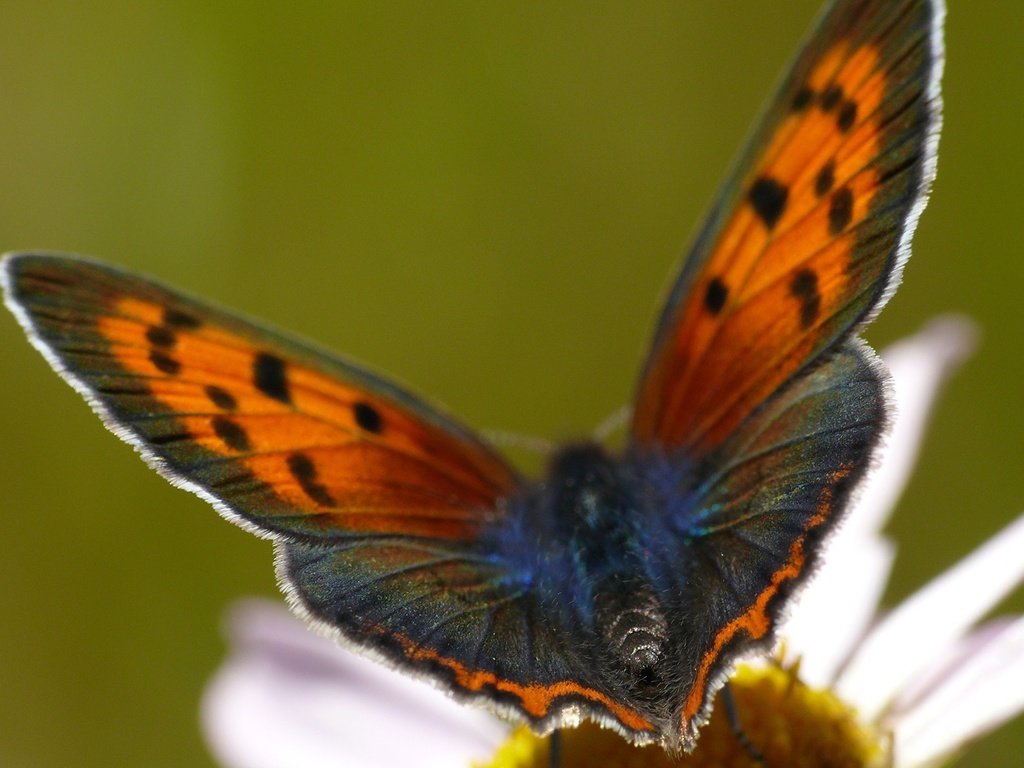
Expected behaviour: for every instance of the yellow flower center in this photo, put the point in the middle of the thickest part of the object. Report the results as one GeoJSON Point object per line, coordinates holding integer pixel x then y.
{"type": "Point", "coordinates": [790, 723]}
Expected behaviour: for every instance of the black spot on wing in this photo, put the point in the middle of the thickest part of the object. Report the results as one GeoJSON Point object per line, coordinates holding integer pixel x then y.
{"type": "Point", "coordinates": [805, 289]}
{"type": "Point", "coordinates": [221, 398]}
{"type": "Point", "coordinates": [769, 199]}
{"type": "Point", "coordinates": [169, 438]}
{"type": "Point", "coordinates": [368, 417]}
{"type": "Point", "coordinates": [304, 472]}
{"type": "Point", "coordinates": [122, 390]}
{"type": "Point", "coordinates": [269, 377]}
{"type": "Point", "coordinates": [825, 179]}
{"type": "Point", "coordinates": [831, 97]}
{"type": "Point", "coordinates": [231, 433]}
{"type": "Point", "coordinates": [715, 296]}
{"type": "Point", "coordinates": [840, 210]}
{"type": "Point", "coordinates": [161, 336]}
{"type": "Point", "coordinates": [847, 116]}
{"type": "Point", "coordinates": [175, 318]}
{"type": "Point", "coordinates": [802, 99]}
{"type": "Point", "coordinates": [164, 363]}
{"type": "Point", "coordinates": [239, 478]}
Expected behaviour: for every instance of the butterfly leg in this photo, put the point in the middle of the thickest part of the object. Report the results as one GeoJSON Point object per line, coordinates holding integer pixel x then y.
{"type": "Point", "coordinates": [555, 749]}
{"type": "Point", "coordinates": [732, 713]}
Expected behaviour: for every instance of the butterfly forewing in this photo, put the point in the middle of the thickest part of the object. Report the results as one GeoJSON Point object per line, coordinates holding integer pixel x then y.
{"type": "Point", "coordinates": [809, 234]}
{"type": "Point", "coordinates": [291, 441]}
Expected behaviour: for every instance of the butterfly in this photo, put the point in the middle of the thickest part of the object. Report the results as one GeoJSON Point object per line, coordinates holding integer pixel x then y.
{"type": "Point", "coordinates": [620, 586]}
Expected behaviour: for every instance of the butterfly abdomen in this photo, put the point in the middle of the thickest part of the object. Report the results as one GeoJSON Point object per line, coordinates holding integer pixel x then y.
{"type": "Point", "coordinates": [591, 510]}
{"type": "Point", "coordinates": [633, 625]}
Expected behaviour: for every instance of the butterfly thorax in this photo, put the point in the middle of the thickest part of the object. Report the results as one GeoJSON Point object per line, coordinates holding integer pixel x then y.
{"type": "Point", "coordinates": [590, 509]}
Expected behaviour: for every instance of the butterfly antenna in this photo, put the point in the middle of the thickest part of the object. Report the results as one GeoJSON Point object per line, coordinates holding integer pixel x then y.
{"type": "Point", "coordinates": [613, 423]}
{"type": "Point", "coordinates": [514, 440]}
{"type": "Point", "coordinates": [733, 715]}
{"type": "Point", "coordinates": [555, 749]}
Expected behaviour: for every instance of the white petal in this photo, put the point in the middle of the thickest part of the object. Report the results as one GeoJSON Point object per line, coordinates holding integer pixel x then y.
{"type": "Point", "coordinates": [833, 611]}
{"type": "Point", "coordinates": [919, 365]}
{"type": "Point", "coordinates": [982, 693]}
{"type": "Point", "coordinates": [946, 664]}
{"type": "Point", "coordinates": [287, 697]}
{"type": "Point", "coordinates": [919, 630]}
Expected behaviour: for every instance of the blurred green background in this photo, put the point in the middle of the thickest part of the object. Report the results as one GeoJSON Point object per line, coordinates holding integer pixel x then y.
{"type": "Point", "coordinates": [485, 200]}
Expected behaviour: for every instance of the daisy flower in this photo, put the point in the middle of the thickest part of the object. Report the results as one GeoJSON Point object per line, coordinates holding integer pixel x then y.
{"type": "Point", "coordinates": [849, 685]}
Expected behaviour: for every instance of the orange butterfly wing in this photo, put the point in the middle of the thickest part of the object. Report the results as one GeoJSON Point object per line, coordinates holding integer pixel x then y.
{"type": "Point", "coordinates": [385, 512]}
{"type": "Point", "coordinates": [809, 235]}
{"type": "Point", "coordinates": [281, 437]}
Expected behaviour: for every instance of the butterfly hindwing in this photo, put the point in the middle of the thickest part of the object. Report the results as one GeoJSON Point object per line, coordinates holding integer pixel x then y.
{"type": "Point", "coordinates": [468, 620]}
{"type": "Point", "coordinates": [809, 234]}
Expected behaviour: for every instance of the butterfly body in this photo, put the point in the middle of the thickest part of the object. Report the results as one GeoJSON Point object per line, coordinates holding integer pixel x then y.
{"type": "Point", "coordinates": [589, 547]}
{"type": "Point", "coordinates": [617, 586]}
{"type": "Point", "coordinates": [612, 564]}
